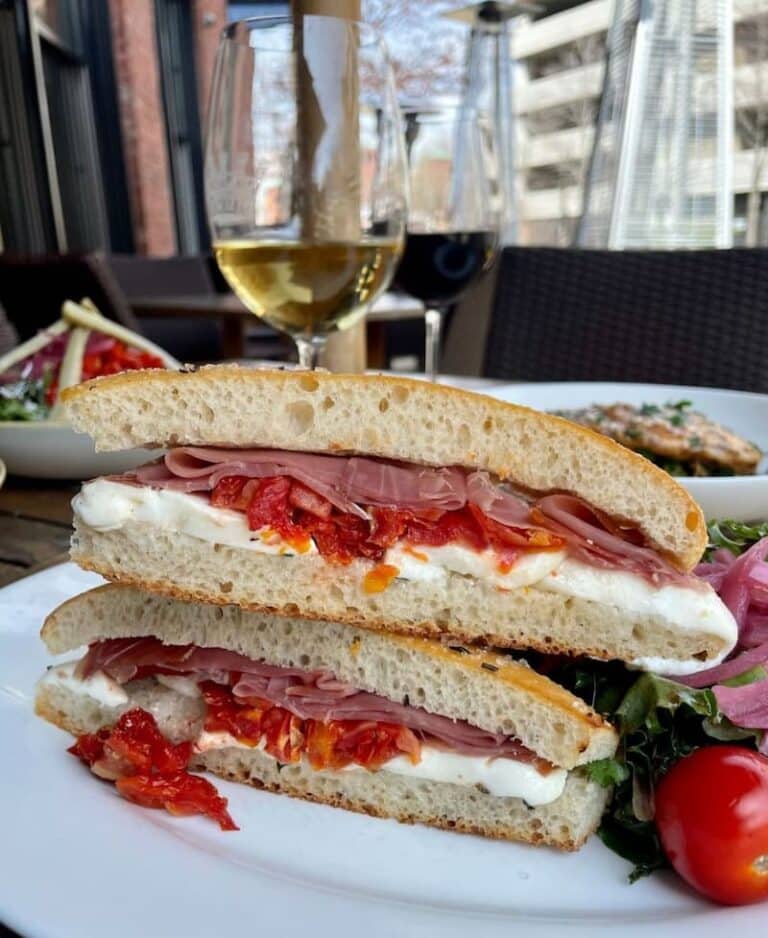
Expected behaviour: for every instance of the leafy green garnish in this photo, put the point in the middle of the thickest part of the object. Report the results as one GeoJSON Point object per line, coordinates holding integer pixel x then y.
{"type": "Point", "coordinates": [735, 536]}
{"type": "Point", "coordinates": [651, 693]}
{"type": "Point", "coordinates": [607, 772]}
{"type": "Point", "coordinates": [660, 722]}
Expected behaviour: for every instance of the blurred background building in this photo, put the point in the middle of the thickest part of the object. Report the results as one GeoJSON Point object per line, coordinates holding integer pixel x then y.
{"type": "Point", "coordinates": [102, 107]}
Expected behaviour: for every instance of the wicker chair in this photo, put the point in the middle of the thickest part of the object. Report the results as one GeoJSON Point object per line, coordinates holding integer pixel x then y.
{"type": "Point", "coordinates": [682, 317]}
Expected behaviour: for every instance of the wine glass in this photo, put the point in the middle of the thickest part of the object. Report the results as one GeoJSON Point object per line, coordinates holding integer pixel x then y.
{"type": "Point", "coordinates": [305, 175]}
{"type": "Point", "coordinates": [453, 223]}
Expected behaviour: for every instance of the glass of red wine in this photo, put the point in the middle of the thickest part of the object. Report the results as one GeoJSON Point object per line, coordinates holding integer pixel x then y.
{"type": "Point", "coordinates": [453, 224]}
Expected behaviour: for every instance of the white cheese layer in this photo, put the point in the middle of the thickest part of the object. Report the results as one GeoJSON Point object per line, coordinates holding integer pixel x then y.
{"type": "Point", "coordinates": [99, 686]}
{"type": "Point", "coordinates": [105, 506]}
{"type": "Point", "coordinates": [435, 563]}
{"type": "Point", "coordinates": [686, 608]}
{"type": "Point", "coordinates": [502, 778]}
{"type": "Point", "coordinates": [108, 506]}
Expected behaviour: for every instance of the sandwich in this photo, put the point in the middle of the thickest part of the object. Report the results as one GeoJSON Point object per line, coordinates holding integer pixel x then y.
{"type": "Point", "coordinates": [391, 725]}
{"type": "Point", "coordinates": [395, 504]}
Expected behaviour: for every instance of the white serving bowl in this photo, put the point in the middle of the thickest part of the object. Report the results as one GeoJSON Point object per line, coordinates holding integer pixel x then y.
{"type": "Point", "coordinates": [50, 449]}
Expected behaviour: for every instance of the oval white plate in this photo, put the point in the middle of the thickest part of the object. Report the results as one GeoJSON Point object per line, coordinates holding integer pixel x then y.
{"type": "Point", "coordinates": [52, 450]}
{"type": "Point", "coordinates": [107, 867]}
{"type": "Point", "coordinates": [742, 498]}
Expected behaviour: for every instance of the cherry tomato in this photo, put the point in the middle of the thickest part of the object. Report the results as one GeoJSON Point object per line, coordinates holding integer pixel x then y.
{"type": "Point", "coordinates": [712, 818]}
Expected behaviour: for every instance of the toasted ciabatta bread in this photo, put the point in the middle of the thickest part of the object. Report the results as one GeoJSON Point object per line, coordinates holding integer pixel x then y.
{"type": "Point", "coordinates": [487, 690]}
{"type": "Point", "coordinates": [462, 607]}
{"type": "Point", "coordinates": [395, 418]}
{"type": "Point", "coordinates": [564, 823]}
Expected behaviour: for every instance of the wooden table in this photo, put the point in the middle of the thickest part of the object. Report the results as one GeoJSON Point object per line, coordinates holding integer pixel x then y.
{"type": "Point", "coordinates": [235, 317]}
{"type": "Point", "coordinates": [35, 526]}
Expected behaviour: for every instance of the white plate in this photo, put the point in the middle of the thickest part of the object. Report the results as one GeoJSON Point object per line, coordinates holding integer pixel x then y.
{"type": "Point", "coordinates": [742, 498]}
{"type": "Point", "coordinates": [78, 860]}
{"type": "Point", "coordinates": [49, 449]}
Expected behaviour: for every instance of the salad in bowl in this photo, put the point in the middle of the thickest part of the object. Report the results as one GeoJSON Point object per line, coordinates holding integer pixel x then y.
{"type": "Point", "coordinates": [35, 439]}
{"type": "Point", "coordinates": [82, 345]}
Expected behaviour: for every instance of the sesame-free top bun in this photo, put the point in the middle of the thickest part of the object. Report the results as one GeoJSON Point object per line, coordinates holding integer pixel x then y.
{"type": "Point", "coordinates": [394, 418]}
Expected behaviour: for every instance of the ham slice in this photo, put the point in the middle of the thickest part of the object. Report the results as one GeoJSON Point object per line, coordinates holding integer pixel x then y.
{"type": "Point", "coordinates": [316, 695]}
{"type": "Point", "coordinates": [352, 483]}
{"type": "Point", "coordinates": [597, 540]}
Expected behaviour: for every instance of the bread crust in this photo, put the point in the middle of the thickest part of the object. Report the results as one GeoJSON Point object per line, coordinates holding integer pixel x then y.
{"type": "Point", "coordinates": [390, 417]}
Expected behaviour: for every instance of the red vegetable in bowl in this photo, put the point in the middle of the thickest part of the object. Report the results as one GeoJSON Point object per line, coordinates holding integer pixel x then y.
{"type": "Point", "coordinates": [712, 818]}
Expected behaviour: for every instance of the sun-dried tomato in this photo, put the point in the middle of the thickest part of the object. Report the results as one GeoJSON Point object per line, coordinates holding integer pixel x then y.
{"type": "Point", "coordinates": [372, 744]}
{"type": "Point", "coordinates": [332, 744]}
{"type": "Point", "coordinates": [232, 492]}
{"type": "Point", "coordinates": [89, 747]}
{"type": "Point", "coordinates": [136, 741]}
{"type": "Point", "coordinates": [269, 507]}
{"type": "Point", "coordinates": [149, 769]}
{"type": "Point", "coordinates": [294, 511]}
{"type": "Point", "coordinates": [181, 794]}
{"type": "Point", "coordinates": [305, 499]}
{"type": "Point", "coordinates": [321, 745]}
{"type": "Point", "coordinates": [500, 535]}
{"type": "Point", "coordinates": [453, 527]}
{"type": "Point", "coordinates": [224, 714]}
{"type": "Point", "coordinates": [283, 735]}
{"type": "Point", "coordinates": [388, 526]}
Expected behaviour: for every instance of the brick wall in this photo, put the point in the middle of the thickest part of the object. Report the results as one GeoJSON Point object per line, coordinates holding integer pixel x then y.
{"type": "Point", "coordinates": [143, 125]}
{"type": "Point", "coordinates": [209, 17]}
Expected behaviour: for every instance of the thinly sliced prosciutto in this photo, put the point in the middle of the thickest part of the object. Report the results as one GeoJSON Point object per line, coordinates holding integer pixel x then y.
{"type": "Point", "coordinates": [597, 540]}
{"type": "Point", "coordinates": [346, 481]}
{"type": "Point", "coordinates": [317, 695]}
{"type": "Point", "coordinates": [353, 483]}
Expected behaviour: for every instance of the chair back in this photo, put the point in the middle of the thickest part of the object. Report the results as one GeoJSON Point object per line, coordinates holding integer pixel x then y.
{"type": "Point", "coordinates": [34, 287]}
{"type": "Point", "coordinates": [189, 339]}
{"type": "Point", "coordinates": [668, 317]}
{"type": "Point", "coordinates": [161, 276]}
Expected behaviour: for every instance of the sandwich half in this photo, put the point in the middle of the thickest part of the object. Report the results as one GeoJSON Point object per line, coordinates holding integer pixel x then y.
{"type": "Point", "coordinates": [393, 726]}
{"type": "Point", "coordinates": [396, 504]}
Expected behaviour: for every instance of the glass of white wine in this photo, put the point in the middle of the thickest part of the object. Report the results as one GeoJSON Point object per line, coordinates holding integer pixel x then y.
{"type": "Point", "coordinates": [305, 173]}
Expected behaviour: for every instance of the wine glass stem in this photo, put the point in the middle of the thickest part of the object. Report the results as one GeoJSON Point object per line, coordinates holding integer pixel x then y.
{"type": "Point", "coordinates": [309, 350]}
{"type": "Point", "coordinates": [433, 319]}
